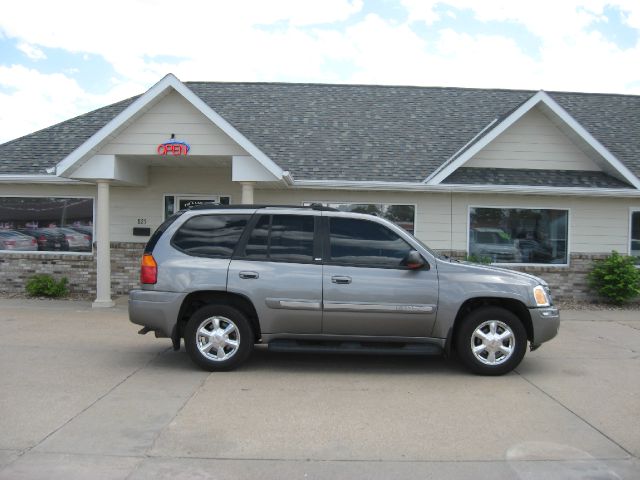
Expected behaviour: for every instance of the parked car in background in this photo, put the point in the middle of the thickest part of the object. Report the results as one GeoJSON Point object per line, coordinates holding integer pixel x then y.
{"type": "Point", "coordinates": [86, 229]}
{"type": "Point", "coordinates": [78, 241]}
{"type": "Point", "coordinates": [533, 251]}
{"type": "Point", "coordinates": [493, 243]}
{"type": "Point", "coordinates": [14, 240]}
{"type": "Point", "coordinates": [49, 239]}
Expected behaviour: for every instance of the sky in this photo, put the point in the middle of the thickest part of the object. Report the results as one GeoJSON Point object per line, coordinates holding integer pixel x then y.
{"type": "Point", "coordinates": [62, 58]}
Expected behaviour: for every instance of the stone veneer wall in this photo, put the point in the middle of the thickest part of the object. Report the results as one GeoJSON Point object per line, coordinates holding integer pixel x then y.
{"type": "Point", "coordinates": [79, 269]}
{"type": "Point", "coordinates": [567, 283]}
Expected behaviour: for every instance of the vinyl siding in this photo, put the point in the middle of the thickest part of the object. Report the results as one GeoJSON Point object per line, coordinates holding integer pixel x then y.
{"type": "Point", "coordinates": [172, 114]}
{"type": "Point", "coordinates": [533, 142]}
{"type": "Point", "coordinates": [596, 225]}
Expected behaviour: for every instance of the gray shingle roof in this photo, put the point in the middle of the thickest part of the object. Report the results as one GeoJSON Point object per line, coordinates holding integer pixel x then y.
{"type": "Point", "coordinates": [352, 132]}
{"type": "Point", "coordinates": [531, 177]}
{"type": "Point", "coordinates": [34, 153]}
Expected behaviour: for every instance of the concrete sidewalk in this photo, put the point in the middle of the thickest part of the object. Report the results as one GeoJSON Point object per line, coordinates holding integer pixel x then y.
{"type": "Point", "coordinates": [84, 396]}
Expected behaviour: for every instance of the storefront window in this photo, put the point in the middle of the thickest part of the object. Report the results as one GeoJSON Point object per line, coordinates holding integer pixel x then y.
{"type": "Point", "coordinates": [46, 224]}
{"type": "Point", "coordinates": [635, 234]}
{"type": "Point", "coordinates": [402, 215]}
{"type": "Point", "coordinates": [518, 235]}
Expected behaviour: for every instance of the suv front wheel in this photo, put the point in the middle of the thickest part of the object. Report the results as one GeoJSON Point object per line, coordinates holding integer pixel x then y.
{"type": "Point", "coordinates": [491, 341]}
{"type": "Point", "coordinates": [218, 337]}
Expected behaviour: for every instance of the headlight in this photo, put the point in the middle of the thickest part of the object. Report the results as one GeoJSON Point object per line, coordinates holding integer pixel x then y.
{"type": "Point", "coordinates": [540, 296]}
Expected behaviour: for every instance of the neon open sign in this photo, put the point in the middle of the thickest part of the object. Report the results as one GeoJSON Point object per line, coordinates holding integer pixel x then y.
{"type": "Point", "coordinates": [173, 147]}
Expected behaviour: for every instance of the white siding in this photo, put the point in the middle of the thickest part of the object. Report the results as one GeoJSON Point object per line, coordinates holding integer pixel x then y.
{"type": "Point", "coordinates": [597, 225]}
{"type": "Point", "coordinates": [533, 142]}
{"type": "Point", "coordinates": [172, 114]}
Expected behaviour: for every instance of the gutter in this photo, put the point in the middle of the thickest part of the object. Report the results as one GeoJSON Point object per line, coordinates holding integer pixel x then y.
{"type": "Point", "coordinates": [463, 188]}
{"type": "Point", "coordinates": [48, 179]}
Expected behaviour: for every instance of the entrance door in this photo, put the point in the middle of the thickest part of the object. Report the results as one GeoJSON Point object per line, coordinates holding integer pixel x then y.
{"type": "Point", "coordinates": [174, 203]}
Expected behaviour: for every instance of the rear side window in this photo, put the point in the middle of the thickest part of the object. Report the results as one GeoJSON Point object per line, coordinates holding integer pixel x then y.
{"type": "Point", "coordinates": [210, 235]}
{"type": "Point", "coordinates": [151, 244]}
{"type": "Point", "coordinates": [282, 238]}
{"type": "Point", "coordinates": [362, 243]}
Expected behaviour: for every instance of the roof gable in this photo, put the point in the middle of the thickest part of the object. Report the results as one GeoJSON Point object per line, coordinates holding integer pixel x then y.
{"type": "Point", "coordinates": [596, 156]}
{"type": "Point", "coordinates": [142, 104]}
{"type": "Point", "coordinates": [171, 115]}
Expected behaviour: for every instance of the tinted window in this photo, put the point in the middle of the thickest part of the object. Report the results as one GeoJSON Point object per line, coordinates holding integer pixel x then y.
{"type": "Point", "coordinates": [364, 243]}
{"type": "Point", "coordinates": [210, 235]}
{"type": "Point", "coordinates": [258, 243]}
{"type": "Point", "coordinates": [282, 238]}
{"type": "Point", "coordinates": [151, 244]}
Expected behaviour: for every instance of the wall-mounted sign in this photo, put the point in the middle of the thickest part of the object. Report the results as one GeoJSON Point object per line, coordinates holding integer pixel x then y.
{"type": "Point", "coordinates": [173, 147]}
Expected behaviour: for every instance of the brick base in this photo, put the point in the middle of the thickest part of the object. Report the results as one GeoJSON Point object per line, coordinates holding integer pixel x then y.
{"type": "Point", "coordinates": [567, 283]}
{"type": "Point", "coordinates": [80, 270]}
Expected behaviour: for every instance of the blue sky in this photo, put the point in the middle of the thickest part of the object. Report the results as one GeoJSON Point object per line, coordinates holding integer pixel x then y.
{"type": "Point", "coordinates": [61, 59]}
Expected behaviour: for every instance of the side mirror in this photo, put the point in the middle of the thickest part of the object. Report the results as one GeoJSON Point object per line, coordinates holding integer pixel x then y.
{"type": "Point", "coordinates": [414, 261]}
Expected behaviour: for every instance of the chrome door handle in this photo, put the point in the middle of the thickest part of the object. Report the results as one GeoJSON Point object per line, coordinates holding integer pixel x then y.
{"type": "Point", "coordinates": [341, 280]}
{"type": "Point", "coordinates": [248, 275]}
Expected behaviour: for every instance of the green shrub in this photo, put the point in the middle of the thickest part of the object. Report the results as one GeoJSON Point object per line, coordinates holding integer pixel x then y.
{"type": "Point", "coordinates": [46, 286]}
{"type": "Point", "coordinates": [616, 278]}
{"type": "Point", "coordinates": [478, 259]}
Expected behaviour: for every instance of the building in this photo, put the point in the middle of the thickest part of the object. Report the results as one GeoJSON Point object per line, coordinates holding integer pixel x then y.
{"type": "Point", "coordinates": [540, 182]}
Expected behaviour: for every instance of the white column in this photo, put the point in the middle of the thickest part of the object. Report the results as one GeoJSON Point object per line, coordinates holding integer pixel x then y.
{"type": "Point", "coordinates": [103, 248]}
{"type": "Point", "coordinates": [247, 192]}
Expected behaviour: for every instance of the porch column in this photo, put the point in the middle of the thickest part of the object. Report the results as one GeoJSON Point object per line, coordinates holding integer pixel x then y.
{"type": "Point", "coordinates": [103, 248]}
{"type": "Point", "coordinates": [247, 192]}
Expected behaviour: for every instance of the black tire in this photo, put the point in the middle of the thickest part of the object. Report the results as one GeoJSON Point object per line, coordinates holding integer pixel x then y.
{"type": "Point", "coordinates": [478, 323]}
{"type": "Point", "coordinates": [224, 316]}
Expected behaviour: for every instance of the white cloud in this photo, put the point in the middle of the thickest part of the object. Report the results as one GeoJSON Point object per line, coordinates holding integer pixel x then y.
{"type": "Point", "coordinates": [34, 53]}
{"type": "Point", "coordinates": [292, 40]}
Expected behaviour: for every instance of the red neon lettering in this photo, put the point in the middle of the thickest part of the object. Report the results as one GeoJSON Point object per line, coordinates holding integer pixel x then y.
{"type": "Point", "coordinates": [175, 149]}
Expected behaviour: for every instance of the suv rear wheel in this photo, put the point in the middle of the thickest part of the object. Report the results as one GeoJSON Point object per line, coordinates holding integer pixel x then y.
{"type": "Point", "coordinates": [218, 337]}
{"type": "Point", "coordinates": [491, 341]}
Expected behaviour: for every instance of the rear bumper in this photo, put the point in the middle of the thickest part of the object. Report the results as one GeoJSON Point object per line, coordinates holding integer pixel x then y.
{"type": "Point", "coordinates": [546, 322]}
{"type": "Point", "coordinates": [156, 310]}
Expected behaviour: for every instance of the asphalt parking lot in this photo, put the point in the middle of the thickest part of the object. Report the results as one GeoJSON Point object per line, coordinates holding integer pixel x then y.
{"type": "Point", "coordinates": [84, 396]}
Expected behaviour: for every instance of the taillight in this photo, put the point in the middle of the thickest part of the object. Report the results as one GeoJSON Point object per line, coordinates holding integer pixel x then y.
{"type": "Point", "coordinates": [9, 243]}
{"type": "Point", "coordinates": [148, 269]}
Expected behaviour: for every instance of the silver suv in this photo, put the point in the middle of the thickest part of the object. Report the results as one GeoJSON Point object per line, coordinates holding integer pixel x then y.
{"type": "Point", "coordinates": [313, 279]}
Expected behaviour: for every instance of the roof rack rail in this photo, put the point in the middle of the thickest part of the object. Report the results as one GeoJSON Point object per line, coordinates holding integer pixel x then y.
{"type": "Point", "coordinates": [217, 206]}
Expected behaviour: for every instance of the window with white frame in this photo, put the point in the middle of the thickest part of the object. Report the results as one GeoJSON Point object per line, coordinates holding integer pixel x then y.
{"type": "Point", "coordinates": [519, 235]}
{"type": "Point", "coordinates": [175, 203]}
{"type": "Point", "coordinates": [634, 240]}
{"type": "Point", "coordinates": [46, 224]}
{"type": "Point", "coordinates": [400, 214]}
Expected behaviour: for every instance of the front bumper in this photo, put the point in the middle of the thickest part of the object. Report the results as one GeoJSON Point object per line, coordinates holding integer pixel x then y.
{"type": "Point", "coordinates": [158, 311]}
{"type": "Point", "coordinates": [545, 322]}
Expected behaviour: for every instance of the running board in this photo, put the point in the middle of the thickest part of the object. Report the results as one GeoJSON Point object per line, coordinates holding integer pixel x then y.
{"type": "Point", "coordinates": [351, 347]}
